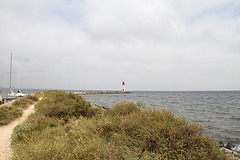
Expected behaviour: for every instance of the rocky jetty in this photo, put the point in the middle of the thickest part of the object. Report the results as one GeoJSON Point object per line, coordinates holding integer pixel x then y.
{"type": "Point", "coordinates": [100, 92]}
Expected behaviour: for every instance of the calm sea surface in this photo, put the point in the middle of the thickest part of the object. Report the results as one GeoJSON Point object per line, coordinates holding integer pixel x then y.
{"type": "Point", "coordinates": [217, 111]}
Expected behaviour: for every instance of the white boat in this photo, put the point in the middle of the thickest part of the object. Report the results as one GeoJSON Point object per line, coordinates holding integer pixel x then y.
{"type": "Point", "coordinates": [20, 94]}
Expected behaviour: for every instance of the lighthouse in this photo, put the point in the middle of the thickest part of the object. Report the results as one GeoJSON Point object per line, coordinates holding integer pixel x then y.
{"type": "Point", "coordinates": [123, 86]}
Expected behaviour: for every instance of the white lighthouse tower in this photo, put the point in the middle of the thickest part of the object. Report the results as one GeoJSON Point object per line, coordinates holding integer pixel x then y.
{"type": "Point", "coordinates": [123, 86]}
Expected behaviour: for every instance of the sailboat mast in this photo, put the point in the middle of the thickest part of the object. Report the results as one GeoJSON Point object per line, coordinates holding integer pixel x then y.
{"type": "Point", "coordinates": [11, 74]}
{"type": "Point", "coordinates": [20, 80]}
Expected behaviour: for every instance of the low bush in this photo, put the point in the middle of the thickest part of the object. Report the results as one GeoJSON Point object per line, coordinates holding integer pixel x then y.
{"type": "Point", "coordinates": [38, 94]}
{"type": "Point", "coordinates": [124, 108]}
{"type": "Point", "coordinates": [33, 97]}
{"type": "Point", "coordinates": [65, 106]}
{"type": "Point", "coordinates": [25, 101]}
{"type": "Point", "coordinates": [35, 124]}
{"type": "Point", "coordinates": [8, 114]}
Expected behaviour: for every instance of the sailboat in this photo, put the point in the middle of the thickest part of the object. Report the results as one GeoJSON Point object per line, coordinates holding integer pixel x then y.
{"type": "Point", "coordinates": [19, 92]}
{"type": "Point", "coordinates": [11, 93]}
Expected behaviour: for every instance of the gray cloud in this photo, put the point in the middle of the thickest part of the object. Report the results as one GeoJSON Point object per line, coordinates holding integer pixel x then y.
{"type": "Point", "coordinates": [152, 45]}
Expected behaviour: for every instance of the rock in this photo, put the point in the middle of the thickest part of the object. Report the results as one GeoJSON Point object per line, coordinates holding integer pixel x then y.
{"type": "Point", "coordinates": [221, 144]}
{"type": "Point", "coordinates": [228, 146]}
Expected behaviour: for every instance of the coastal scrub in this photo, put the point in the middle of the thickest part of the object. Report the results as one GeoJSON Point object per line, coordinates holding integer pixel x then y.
{"type": "Point", "coordinates": [65, 126]}
{"type": "Point", "coordinates": [9, 113]}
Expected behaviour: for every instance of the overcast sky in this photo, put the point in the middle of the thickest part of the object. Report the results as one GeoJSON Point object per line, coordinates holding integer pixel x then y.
{"type": "Point", "coordinates": [97, 44]}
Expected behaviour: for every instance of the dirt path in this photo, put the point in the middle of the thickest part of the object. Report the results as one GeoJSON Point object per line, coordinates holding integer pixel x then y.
{"type": "Point", "coordinates": [6, 131]}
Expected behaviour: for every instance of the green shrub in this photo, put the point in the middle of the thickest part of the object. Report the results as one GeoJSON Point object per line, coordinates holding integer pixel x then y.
{"type": "Point", "coordinates": [38, 94]}
{"type": "Point", "coordinates": [124, 108]}
{"type": "Point", "coordinates": [8, 114]}
{"type": "Point", "coordinates": [34, 97]}
{"type": "Point", "coordinates": [24, 102]}
{"type": "Point", "coordinates": [65, 106]}
{"type": "Point", "coordinates": [48, 143]}
{"type": "Point", "coordinates": [34, 123]}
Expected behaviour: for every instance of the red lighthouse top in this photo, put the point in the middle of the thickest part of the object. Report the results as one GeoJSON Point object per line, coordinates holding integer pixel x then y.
{"type": "Point", "coordinates": [123, 83]}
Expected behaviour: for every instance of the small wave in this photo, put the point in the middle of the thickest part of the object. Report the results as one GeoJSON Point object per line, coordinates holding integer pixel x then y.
{"type": "Point", "coordinates": [235, 118]}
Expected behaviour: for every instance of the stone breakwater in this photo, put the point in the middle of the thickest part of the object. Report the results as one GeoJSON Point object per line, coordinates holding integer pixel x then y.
{"type": "Point", "coordinates": [99, 92]}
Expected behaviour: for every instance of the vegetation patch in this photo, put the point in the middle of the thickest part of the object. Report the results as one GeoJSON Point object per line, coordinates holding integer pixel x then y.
{"type": "Point", "coordinates": [25, 101]}
{"type": "Point", "coordinates": [64, 106]}
{"type": "Point", "coordinates": [65, 126]}
{"type": "Point", "coordinates": [9, 113]}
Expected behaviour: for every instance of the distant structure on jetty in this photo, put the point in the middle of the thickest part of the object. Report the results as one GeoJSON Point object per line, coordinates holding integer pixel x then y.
{"type": "Point", "coordinates": [104, 92]}
{"type": "Point", "coordinates": [123, 86]}
{"type": "Point", "coordinates": [108, 92]}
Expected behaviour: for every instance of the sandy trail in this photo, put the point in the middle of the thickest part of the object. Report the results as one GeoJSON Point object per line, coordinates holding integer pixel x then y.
{"type": "Point", "coordinates": [6, 131]}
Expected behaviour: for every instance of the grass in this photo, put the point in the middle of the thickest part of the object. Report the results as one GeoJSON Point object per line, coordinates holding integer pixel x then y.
{"type": "Point", "coordinates": [59, 104]}
{"type": "Point", "coordinates": [9, 113]}
{"type": "Point", "coordinates": [65, 126]}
